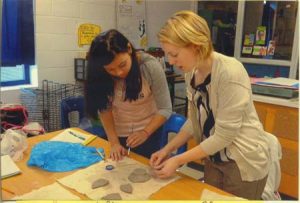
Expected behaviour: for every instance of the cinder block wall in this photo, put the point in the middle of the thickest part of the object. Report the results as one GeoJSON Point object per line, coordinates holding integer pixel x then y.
{"type": "Point", "coordinates": [56, 33]}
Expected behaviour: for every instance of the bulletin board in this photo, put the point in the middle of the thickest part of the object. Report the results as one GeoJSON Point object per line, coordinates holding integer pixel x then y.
{"type": "Point", "coordinates": [131, 21]}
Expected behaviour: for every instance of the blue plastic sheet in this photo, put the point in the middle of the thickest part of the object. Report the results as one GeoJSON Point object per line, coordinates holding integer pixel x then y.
{"type": "Point", "coordinates": [58, 156]}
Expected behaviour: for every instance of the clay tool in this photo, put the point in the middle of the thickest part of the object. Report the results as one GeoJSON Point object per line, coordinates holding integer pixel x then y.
{"type": "Point", "coordinates": [128, 151]}
{"type": "Point", "coordinates": [101, 155]}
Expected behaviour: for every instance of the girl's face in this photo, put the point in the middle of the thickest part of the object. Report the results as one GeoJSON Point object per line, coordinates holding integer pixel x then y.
{"type": "Point", "coordinates": [184, 58]}
{"type": "Point", "coordinates": [120, 66]}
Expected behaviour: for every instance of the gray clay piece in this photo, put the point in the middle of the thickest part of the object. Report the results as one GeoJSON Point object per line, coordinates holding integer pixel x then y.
{"type": "Point", "coordinates": [99, 183]}
{"type": "Point", "coordinates": [112, 196]}
{"type": "Point", "coordinates": [139, 175]}
{"type": "Point", "coordinates": [126, 188]}
{"type": "Point", "coordinates": [139, 171]}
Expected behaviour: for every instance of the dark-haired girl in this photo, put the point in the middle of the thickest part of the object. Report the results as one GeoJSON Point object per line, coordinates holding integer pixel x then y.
{"type": "Point", "coordinates": [129, 92]}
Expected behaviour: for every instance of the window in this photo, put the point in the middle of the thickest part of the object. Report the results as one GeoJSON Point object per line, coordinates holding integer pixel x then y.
{"type": "Point", "coordinates": [269, 28]}
{"type": "Point", "coordinates": [221, 19]}
{"type": "Point", "coordinates": [263, 35]}
{"type": "Point", "coordinates": [17, 42]}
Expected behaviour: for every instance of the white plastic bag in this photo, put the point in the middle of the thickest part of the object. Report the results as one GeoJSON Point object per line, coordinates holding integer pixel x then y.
{"type": "Point", "coordinates": [33, 128]}
{"type": "Point", "coordinates": [13, 143]}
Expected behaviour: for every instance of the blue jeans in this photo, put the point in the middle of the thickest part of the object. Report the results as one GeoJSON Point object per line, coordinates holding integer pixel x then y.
{"type": "Point", "coordinates": [151, 145]}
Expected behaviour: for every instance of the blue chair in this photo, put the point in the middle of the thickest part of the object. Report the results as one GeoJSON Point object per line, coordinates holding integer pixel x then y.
{"type": "Point", "coordinates": [76, 104]}
{"type": "Point", "coordinates": [68, 105]}
{"type": "Point", "coordinates": [173, 124]}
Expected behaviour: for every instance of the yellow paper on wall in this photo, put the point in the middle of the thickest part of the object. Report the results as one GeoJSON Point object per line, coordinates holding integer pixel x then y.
{"type": "Point", "coordinates": [86, 33]}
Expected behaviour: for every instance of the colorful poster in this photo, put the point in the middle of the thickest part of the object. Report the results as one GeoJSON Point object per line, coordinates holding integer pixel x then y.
{"type": "Point", "coordinates": [247, 50]}
{"type": "Point", "coordinates": [249, 39]}
{"type": "Point", "coordinates": [271, 48]}
{"type": "Point", "coordinates": [260, 35]}
{"type": "Point", "coordinates": [259, 51]}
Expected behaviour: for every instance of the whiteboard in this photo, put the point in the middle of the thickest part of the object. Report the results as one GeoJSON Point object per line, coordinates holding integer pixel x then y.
{"type": "Point", "coordinates": [131, 21]}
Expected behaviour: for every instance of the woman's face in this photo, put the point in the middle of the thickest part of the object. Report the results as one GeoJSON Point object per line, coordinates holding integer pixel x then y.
{"type": "Point", "coordinates": [120, 66]}
{"type": "Point", "coordinates": [184, 58]}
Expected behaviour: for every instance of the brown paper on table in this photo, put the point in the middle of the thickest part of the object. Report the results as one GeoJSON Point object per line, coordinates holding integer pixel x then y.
{"type": "Point", "coordinates": [49, 192]}
{"type": "Point", "coordinates": [82, 180]}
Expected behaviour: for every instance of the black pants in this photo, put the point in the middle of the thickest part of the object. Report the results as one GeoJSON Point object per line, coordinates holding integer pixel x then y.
{"type": "Point", "coordinates": [151, 145]}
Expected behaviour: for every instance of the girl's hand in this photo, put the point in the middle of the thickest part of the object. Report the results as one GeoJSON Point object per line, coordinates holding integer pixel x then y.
{"type": "Point", "coordinates": [158, 157]}
{"type": "Point", "coordinates": [117, 152]}
{"type": "Point", "coordinates": [167, 168]}
{"type": "Point", "coordinates": [136, 138]}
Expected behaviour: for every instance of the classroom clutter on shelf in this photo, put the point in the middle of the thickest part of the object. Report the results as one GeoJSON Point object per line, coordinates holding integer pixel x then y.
{"type": "Point", "coordinates": [278, 87]}
{"type": "Point", "coordinates": [159, 54]}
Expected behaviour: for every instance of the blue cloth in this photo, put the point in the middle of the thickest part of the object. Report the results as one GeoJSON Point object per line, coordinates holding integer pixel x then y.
{"type": "Point", "coordinates": [58, 156]}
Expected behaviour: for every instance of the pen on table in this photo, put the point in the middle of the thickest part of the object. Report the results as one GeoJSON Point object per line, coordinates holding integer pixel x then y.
{"type": "Point", "coordinates": [7, 190]}
{"type": "Point", "coordinates": [128, 150]}
{"type": "Point", "coordinates": [78, 136]}
{"type": "Point", "coordinates": [101, 155]}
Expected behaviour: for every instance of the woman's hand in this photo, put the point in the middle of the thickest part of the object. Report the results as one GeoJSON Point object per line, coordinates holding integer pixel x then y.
{"type": "Point", "coordinates": [158, 157]}
{"type": "Point", "coordinates": [167, 168]}
{"type": "Point", "coordinates": [136, 138]}
{"type": "Point", "coordinates": [117, 151]}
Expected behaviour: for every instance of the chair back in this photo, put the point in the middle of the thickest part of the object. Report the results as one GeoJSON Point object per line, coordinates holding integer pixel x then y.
{"type": "Point", "coordinates": [173, 124]}
{"type": "Point", "coordinates": [68, 105]}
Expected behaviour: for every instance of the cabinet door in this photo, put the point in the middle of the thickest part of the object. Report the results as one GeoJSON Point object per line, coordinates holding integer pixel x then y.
{"type": "Point", "coordinates": [283, 123]}
{"type": "Point", "coordinates": [261, 112]}
{"type": "Point", "coordinates": [286, 124]}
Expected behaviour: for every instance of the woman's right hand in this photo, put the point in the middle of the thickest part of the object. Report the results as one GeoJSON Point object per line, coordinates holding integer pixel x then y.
{"type": "Point", "coordinates": [158, 157]}
{"type": "Point", "coordinates": [117, 151]}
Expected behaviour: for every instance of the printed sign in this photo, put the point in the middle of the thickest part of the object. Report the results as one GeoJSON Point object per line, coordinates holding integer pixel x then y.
{"type": "Point", "coordinates": [86, 33]}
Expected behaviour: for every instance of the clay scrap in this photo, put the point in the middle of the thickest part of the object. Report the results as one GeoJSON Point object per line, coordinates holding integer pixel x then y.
{"type": "Point", "coordinates": [139, 175]}
{"type": "Point", "coordinates": [112, 196]}
{"type": "Point", "coordinates": [126, 188]}
{"type": "Point", "coordinates": [99, 183]}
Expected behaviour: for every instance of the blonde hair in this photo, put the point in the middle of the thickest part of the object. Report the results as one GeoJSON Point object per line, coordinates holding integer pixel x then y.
{"type": "Point", "coordinates": [186, 28]}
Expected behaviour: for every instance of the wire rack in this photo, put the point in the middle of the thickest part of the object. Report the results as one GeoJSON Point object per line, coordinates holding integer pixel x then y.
{"type": "Point", "coordinates": [43, 104]}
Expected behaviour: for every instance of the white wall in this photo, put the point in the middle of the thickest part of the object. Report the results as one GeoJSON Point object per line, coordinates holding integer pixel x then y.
{"type": "Point", "coordinates": [57, 22]}
{"type": "Point", "coordinates": [56, 33]}
{"type": "Point", "coordinates": [158, 11]}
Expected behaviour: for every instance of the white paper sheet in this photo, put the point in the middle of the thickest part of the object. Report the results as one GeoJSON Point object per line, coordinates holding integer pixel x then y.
{"type": "Point", "coordinates": [213, 196]}
{"type": "Point", "coordinates": [282, 81]}
{"type": "Point", "coordinates": [82, 180]}
{"type": "Point", "coordinates": [49, 192]}
{"type": "Point", "coordinates": [8, 167]}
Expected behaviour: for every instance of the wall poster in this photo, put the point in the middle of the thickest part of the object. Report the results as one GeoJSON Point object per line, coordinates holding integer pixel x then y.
{"type": "Point", "coordinates": [131, 21]}
{"type": "Point", "coordinates": [86, 33]}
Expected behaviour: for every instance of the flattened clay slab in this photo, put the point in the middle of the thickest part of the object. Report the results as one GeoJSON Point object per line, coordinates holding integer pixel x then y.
{"type": "Point", "coordinates": [112, 196]}
{"type": "Point", "coordinates": [139, 171]}
{"type": "Point", "coordinates": [139, 175]}
{"type": "Point", "coordinates": [126, 188]}
{"type": "Point", "coordinates": [99, 183]}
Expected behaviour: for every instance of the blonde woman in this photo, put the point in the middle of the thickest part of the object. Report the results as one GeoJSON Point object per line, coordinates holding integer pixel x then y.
{"type": "Point", "coordinates": [222, 116]}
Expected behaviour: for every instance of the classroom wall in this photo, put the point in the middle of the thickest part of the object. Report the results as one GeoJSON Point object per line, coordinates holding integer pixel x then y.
{"type": "Point", "coordinates": [158, 12]}
{"type": "Point", "coordinates": [56, 34]}
{"type": "Point", "coordinates": [56, 23]}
